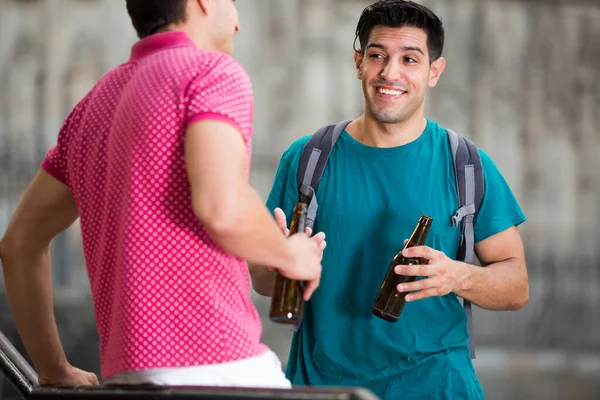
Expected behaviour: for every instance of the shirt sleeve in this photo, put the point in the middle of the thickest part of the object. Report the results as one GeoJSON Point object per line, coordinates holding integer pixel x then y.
{"type": "Point", "coordinates": [284, 192]}
{"type": "Point", "coordinates": [281, 194]}
{"type": "Point", "coordinates": [220, 90]}
{"type": "Point", "coordinates": [499, 208]}
{"type": "Point", "coordinates": [55, 163]}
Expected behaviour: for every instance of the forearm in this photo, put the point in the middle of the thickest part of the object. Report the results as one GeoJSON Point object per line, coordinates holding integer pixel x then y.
{"type": "Point", "coordinates": [262, 279]}
{"type": "Point", "coordinates": [29, 288]}
{"type": "Point", "coordinates": [251, 232]}
{"type": "Point", "coordinates": [498, 286]}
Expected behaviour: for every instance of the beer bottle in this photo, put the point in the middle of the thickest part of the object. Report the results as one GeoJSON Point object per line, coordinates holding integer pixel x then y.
{"type": "Point", "coordinates": [287, 301]}
{"type": "Point", "coordinates": [389, 302]}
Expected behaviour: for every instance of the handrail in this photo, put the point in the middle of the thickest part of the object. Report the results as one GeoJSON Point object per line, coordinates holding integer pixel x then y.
{"type": "Point", "coordinates": [203, 393]}
{"type": "Point", "coordinates": [24, 379]}
{"type": "Point", "coordinates": [16, 369]}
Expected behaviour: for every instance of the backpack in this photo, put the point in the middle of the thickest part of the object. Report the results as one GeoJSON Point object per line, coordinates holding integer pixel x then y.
{"type": "Point", "coordinates": [469, 181]}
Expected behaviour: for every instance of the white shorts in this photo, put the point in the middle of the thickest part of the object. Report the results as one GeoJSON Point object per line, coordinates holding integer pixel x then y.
{"type": "Point", "coordinates": [262, 371]}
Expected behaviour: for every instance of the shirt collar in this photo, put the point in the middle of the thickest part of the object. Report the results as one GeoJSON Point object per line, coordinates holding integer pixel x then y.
{"type": "Point", "coordinates": [158, 42]}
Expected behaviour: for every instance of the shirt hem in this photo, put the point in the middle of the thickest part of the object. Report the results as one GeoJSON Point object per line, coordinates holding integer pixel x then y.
{"type": "Point", "coordinates": [260, 350]}
{"type": "Point", "coordinates": [211, 116]}
{"type": "Point", "coordinates": [53, 171]}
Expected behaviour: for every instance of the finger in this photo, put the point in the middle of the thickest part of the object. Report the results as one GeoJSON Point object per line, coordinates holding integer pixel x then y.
{"type": "Point", "coordinates": [281, 220]}
{"type": "Point", "coordinates": [423, 294]}
{"type": "Point", "coordinates": [318, 238]}
{"type": "Point", "coordinates": [323, 245]}
{"type": "Point", "coordinates": [421, 284]}
{"type": "Point", "coordinates": [405, 241]}
{"type": "Point", "coordinates": [423, 252]}
{"type": "Point", "coordinates": [310, 289]}
{"type": "Point", "coordinates": [94, 380]}
{"type": "Point", "coordinates": [308, 231]}
{"type": "Point", "coordinates": [414, 270]}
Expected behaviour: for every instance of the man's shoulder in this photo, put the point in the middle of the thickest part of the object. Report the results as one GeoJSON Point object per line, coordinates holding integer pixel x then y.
{"type": "Point", "coordinates": [205, 68]}
{"type": "Point", "coordinates": [487, 163]}
{"type": "Point", "coordinates": [199, 56]}
{"type": "Point", "coordinates": [440, 132]}
{"type": "Point", "coordinates": [294, 151]}
{"type": "Point", "coordinates": [214, 62]}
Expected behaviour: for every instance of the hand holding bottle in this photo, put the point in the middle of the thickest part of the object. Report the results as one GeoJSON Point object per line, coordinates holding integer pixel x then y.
{"type": "Point", "coordinates": [390, 301]}
{"type": "Point", "coordinates": [318, 239]}
{"type": "Point", "coordinates": [443, 274]}
{"type": "Point", "coordinates": [305, 264]}
{"type": "Point", "coordinates": [289, 289]}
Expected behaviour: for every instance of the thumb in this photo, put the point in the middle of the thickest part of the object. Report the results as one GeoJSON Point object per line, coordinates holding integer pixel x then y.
{"type": "Point", "coordinates": [281, 220]}
{"type": "Point", "coordinates": [310, 289]}
{"type": "Point", "coordinates": [93, 379]}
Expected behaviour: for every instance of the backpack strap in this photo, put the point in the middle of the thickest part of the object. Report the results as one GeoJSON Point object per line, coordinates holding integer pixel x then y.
{"type": "Point", "coordinates": [470, 187]}
{"type": "Point", "coordinates": [313, 160]}
{"type": "Point", "coordinates": [312, 164]}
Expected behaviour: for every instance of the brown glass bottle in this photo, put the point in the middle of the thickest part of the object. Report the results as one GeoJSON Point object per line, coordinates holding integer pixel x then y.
{"type": "Point", "coordinates": [287, 301]}
{"type": "Point", "coordinates": [389, 302]}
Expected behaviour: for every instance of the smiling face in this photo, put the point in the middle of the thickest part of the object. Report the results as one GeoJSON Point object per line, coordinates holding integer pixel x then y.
{"type": "Point", "coordinates": [396, 72]}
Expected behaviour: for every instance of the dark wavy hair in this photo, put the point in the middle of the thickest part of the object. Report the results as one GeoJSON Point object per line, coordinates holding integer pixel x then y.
{"type": "Point", "coordinates": [149, 16]}
{"type": "Point", "coordinates": [398, 14]}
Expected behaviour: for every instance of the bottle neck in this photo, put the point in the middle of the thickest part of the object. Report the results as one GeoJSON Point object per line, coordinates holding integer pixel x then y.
{"type": "Point", "coordinates": [298, 218]}
{"type": "Point", "coordinates": [419, 235]}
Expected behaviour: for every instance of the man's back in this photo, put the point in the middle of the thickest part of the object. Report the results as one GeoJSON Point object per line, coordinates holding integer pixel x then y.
{"type": "Point", "coordinates": [155, 161]}
{"type": "Point", "coordinates": [165, 294]}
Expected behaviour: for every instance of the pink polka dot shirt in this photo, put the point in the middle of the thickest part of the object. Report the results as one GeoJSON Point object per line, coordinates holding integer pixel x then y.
{"type": "Point", "coordinates": [165, 294]}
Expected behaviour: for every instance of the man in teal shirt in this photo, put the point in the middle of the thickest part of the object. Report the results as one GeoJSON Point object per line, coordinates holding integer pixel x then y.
{"type": "Point", "coordinates": [387, 168]}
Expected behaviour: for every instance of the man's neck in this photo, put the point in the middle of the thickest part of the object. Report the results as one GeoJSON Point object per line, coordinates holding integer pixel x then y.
{"type": "Point", "coordinates": [198, 37]}
{"type": "Point", "coordinates": [370, 132]}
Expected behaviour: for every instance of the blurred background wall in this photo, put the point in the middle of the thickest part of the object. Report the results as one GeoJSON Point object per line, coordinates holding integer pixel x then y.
{"type": "Point", "coordinates": [522, 81]}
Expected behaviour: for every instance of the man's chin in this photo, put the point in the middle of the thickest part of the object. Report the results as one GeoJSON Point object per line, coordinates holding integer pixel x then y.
{"type": "Point", "coordinates": [388, 121]}
{"type": "Point", "coordinates": [387, 118]}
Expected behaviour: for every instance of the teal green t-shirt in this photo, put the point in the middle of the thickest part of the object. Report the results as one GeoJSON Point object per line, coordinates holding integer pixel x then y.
{"type": "Point", "coordinates": [370, 200]}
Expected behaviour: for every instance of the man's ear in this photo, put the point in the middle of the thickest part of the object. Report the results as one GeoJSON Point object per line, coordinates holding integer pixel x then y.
{"type": "Point", "coordinates": [435, 71]}
{"type": "Point", "coordinates": [358, 60]}
{"type": "Point", "coordinates": [202, 5]}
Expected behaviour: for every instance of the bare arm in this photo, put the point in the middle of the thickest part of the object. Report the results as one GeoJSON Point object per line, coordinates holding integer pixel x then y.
{"type": "Point", "coordinates": [501, 285]}
{"type": "Point", "coordinates": [263, 277]}
{"type": "Point", "coordinates": [47, 208]}
{"type": "Point", "coordinates": [232, 211]}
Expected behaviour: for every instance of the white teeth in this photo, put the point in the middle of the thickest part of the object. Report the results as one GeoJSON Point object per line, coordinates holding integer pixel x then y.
{"type": "Point", "coordinates": [389, 92]}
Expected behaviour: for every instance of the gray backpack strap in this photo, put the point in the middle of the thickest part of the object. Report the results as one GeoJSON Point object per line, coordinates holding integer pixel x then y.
{"type": "Point", "coordinates": [470, 187]}
{"type": "Point", "coordinates": [312, 164]}
{"type": "Point", "coordinates": [313, 160]}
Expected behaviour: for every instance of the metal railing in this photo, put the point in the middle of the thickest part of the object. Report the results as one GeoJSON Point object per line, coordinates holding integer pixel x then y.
{"type": "Point", "coordinates": [23, 378]}
{"type": "Point", "coordinates": [16, 369]}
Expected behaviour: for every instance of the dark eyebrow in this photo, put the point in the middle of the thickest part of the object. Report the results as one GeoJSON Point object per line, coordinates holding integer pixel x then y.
{"type": "Point", "coordinates": [405, 48]}
{"type": "Point", "coordinates": [376, 45]}
{"type": "Point", "coordinates": [413, 48]}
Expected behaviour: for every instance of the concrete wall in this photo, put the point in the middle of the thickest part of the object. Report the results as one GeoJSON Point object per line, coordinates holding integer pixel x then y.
{"type": "Point", "coordinates": [521, 81]}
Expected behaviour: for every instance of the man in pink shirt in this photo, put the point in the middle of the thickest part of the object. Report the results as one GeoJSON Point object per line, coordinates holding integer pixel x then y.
{"type": "Point", "coordinates": [155, 161]}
